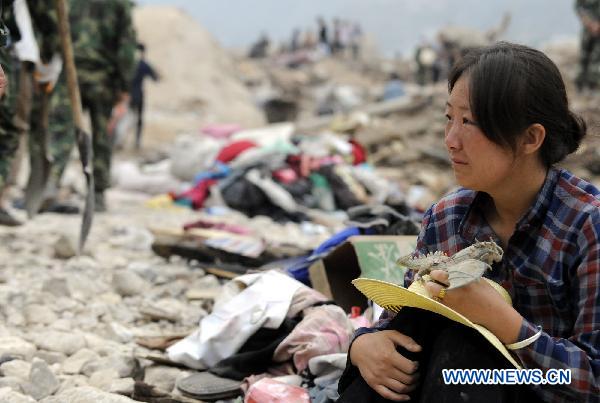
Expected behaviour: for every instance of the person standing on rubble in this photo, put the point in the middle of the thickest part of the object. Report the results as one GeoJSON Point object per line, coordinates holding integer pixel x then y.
{"type": "Point", "coordinates": [508, 124]}
{"type": "Point", "coordinates": [589, 59]}
{"type": "Point", "coordinates": [142, 71]}
{"type": "Point", "coordinates": [104, 47]}
{"type": "Point", "coordinates": [322, 34]}
{"type": "Point", "coordinates": [49, 81]}
{"type": "Point", "coordinates": [9, 132]}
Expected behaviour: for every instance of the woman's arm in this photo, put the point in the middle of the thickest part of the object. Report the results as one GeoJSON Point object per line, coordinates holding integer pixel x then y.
{"type": "Point", "coordinates": [581, 351]}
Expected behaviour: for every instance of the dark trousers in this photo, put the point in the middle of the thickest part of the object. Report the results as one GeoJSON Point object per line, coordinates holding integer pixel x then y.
{"type": "Point", "coordinates": [138, 109]}
{"type": "Point", "coordinates": [445, 345]}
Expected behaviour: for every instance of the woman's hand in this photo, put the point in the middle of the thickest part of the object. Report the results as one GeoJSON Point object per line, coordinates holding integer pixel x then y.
{"type": "Point", "coordinates": [385, 370]}
{"type": "Point", "coordinates": [480, 303]}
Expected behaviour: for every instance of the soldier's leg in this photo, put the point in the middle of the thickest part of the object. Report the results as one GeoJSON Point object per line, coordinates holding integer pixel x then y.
{"type": "Point", "coordinates": [9, 133]}
{"type": "Point", "coordinates": [62, 133]}
{"type": "Point", "coordinates": [138, 109]}
{"type": "Point", "coordinates": [62, 142]}
{"type": "Point", "coordinates": [23, 117]}
{"type": "Point", "coordinates": [100, 110]}
{"type": "Point", "coordinates": [593, 68]}
{"type": "Point", "coordinates": [586, 46]}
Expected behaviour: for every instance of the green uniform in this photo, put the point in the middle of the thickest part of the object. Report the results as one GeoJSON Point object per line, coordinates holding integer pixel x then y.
{"type": "Point", "coordinates": [589, 62]}
{"type": "Point", "coordinates": [104, 47]}
{"type": "Point", "coordinates": [44, 21]}
{"type": "Point", "coordinates": [9, 133]}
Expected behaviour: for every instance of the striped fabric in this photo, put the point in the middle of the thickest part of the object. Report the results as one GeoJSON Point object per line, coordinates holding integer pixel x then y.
{"type": "Point", "coordinates": [550, 267]}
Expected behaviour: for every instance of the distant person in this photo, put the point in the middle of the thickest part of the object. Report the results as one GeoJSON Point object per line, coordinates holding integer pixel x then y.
{"type": "Point", "coordinates": [394, 87]}
{"type": "Point", "coordinates": [309, 41]}
{"type": "Point", "coordinates": [323, 34]}
{"type": "Point", "coordinates": [356, 35]}
{"type": "Point", "coordinates": [425, 59]}
{"type": "Point", "coordinates": [295, 41]}
{"type": "Point", "coordinates": [336, 43]}
{"type": "Point", "coordinates": [260, 49]}
{"type": "Point", "coordinates": [104, 50]}
{"type": "Point", "coordinates": [589, 58]}
{"type": "Point", "coordinates": [143, 70]}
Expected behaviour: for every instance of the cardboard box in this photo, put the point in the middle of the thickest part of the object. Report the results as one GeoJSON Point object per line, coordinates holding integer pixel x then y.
{"type": "Point", "coordinates": [360, 256]}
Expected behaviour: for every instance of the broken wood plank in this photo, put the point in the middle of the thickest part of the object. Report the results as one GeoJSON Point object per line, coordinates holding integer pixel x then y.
{"type": "Point", "coordinates": [398, 105]}
{"type": "Point", "coordinates": [221, 273]}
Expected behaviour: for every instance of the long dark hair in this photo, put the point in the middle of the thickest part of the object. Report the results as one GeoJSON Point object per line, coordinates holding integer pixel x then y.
{"type": "Point", "coordinates": [512, 87]}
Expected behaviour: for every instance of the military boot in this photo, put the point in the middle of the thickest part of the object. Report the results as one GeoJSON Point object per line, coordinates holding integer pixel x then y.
{"type": "Point", "coordinates": [99, 202]}
{"type": "Point", "coordinates": [7, 219]}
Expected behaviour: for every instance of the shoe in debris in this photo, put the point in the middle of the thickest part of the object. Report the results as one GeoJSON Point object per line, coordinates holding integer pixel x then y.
{"type": "Point", "coordinates": [7, 219]}
{"type": "Point", "coordinates": [54, 206]}
{"type": "Point", "coordinates": [206, 386]}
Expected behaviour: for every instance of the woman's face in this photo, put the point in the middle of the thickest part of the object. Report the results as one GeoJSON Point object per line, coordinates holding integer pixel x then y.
{"type": "Point", "coordinates": [478, 163]}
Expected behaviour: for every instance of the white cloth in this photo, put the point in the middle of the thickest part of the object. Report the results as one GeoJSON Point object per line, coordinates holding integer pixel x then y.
{"type": "Point", "coordinates": [49, 72]}
{"type": "Point", "coordinates": [327, 368]}
{"type": "Point", "coordinates": [264, 303]}
{"type": "Point", "coordinates": [27, 48]}
{"type": "Point", "coordinates": [276, 193]}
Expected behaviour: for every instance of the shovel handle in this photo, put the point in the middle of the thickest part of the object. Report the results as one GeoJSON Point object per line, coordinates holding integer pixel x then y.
{"type": "Point", "coordinates": [69, 61]}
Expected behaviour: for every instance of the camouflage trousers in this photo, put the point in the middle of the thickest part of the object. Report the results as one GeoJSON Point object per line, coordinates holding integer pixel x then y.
{"type": "Point", "coordinates": [9, 133]}
{"type": "Point", "coordinates": [62, 132]}
{"type": "Point", "coordinates": [589, 62]}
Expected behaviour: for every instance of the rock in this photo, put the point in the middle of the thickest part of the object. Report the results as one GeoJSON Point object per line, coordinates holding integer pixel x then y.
{"type": "Point", "coordinates": [51, 357]}
{"type": "Point", "coordinates": [69, 382]}
{"type": "Point", "coordinates": [8, 395]}
{"type": "Point", "coordinates": [127, 283]}
{"type": "Point", "coordinates": [103, 378]}
{"type": "Point", "coordinates": [65, 247]}
{"type": "Point", "coordinates": [39, 314]}
{"type": "Point", "coordinates": [122, 386]}
{"type": "Point", "coordinates": [74, 364]}
{"type": "Point", "coordinates": [42, 381]}
{"type": "Point", "coordinates": [62, 325]}
{"type": "Point", "coordinates": [162, 377]}
{"type": "Point", "coordinates": [167, 309]}
{"type": "Point", "coordinates": [62, 342]}
{"type": "Point", "coordinates": [119, 332]}
{"type": "Point", "coordinates": [85, 394]}
{"type": "Point", "coordinates": [57, 287]}
{"type": "Point", "coordinates": [15, 319]}
{"type": "Point", "coordinates": [16, 369]}
{"type": "Point", "coordinates": [192, 314]}
{"type": "Point", "coordinates": [16, 346]}
{"type": "Point", "coordinates": [146, 270]}
{"type": "Point", "coordinates": [82, 286]}
{"type": "Point", "coordinates": [11, 382]}
{"type": "Point", "coordinates": [137, 239]}
{"type": "Point", "coordinates": [125, 366]}
{"type": "Point", "coordinates": [100, 345]}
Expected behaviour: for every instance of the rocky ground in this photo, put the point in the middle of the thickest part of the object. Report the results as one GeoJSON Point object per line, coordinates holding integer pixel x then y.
{"type": "Point", "coordinates": [71, 322]}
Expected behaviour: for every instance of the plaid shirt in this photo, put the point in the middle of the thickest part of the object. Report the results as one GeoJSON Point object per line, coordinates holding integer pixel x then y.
{"type": "Point", "coordinates": [551, 268]}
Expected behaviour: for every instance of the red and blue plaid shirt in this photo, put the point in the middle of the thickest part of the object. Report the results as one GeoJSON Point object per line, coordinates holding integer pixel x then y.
{"type": "Point", "coordinates": [550, 267]}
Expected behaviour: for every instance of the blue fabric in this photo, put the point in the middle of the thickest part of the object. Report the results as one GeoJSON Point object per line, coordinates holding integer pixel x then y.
{"type": "Point", "coordinates": [299, 270]}
{"type": "Point", "coordinates": [217, 171]}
